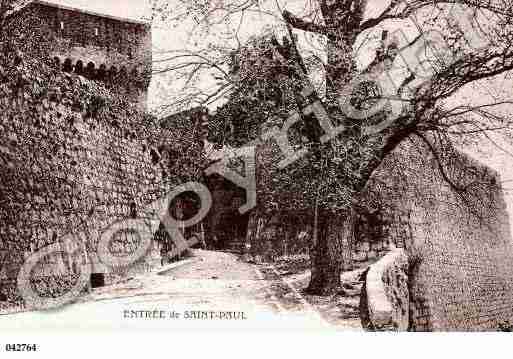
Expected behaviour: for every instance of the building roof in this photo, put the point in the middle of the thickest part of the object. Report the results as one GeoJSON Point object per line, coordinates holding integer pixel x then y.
{"type": "Point", "coordinates": [134, 11]}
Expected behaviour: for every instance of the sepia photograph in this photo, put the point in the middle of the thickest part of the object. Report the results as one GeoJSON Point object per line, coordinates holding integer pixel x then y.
{"type": "Point", "coordinates": [330, 166]}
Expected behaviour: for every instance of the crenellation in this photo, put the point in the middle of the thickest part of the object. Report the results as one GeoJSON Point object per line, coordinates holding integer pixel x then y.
{"type": "Point", "coordinates": [114, 51]}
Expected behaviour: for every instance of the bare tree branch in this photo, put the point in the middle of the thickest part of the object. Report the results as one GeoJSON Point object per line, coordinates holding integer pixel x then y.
{"type": "Point", "coordinates": [304, 25]}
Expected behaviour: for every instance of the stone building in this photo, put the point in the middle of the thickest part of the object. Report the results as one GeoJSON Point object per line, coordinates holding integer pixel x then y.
{"type": "Point", "coordinates": [85, 153]}
{"type": "Point", "coordinates": [100, 46]}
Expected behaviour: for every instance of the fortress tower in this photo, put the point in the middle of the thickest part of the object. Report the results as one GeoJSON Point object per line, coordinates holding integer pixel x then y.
{"type": "Point", "coordinates": [101, 46]}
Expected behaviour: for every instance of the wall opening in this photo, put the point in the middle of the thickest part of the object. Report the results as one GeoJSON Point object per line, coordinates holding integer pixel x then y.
{"type": "Point", "coordinates": [79, 67]}
{"type": "Point", "coordinates": [68, 65]}
{"type": "Point", "coordinates": [91, 70]}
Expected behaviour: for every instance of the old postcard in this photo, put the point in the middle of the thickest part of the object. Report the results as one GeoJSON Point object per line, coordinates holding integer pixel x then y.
{"type": "Point", "coordinates": [340, 165]}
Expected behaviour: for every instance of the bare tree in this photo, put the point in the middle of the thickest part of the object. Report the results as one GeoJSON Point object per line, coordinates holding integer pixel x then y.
{"type": "Point", "coordinates": [362, 119]}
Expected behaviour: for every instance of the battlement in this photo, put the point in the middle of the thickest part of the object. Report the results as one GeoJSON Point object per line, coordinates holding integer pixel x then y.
{"type": "Point", "coordinates": [101, 47]}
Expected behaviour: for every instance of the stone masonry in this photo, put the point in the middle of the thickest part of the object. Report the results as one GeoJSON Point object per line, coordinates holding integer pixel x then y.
{"type": "Point", "coordinates": [459, 247]}
{"type": "Point", "coordinates": [115, 51]}
{"type": "Point", "coordinates": [75, 158]}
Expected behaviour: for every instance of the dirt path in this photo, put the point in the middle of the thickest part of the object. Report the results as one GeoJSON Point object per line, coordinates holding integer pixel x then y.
{"type": "Point", "coordinates": [203, 293]}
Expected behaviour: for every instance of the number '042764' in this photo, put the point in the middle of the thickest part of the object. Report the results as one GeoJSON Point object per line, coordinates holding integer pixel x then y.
{"type": "Point", "coordinates": [21, 347]}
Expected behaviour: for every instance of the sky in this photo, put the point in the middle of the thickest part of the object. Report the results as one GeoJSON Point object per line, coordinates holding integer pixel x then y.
{"type": "Point", "coordinates": [131, 9]}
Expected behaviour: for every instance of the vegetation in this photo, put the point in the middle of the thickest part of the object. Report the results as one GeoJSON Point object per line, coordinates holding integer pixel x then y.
{"type": "Point", "coordinates": [344, 51]}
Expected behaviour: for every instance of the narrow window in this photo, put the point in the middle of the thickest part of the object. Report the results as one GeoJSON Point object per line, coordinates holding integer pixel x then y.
{"type": "Point", "coordinates": [62, 25]}
{"type": "Point", "coordinates": [96, 32]}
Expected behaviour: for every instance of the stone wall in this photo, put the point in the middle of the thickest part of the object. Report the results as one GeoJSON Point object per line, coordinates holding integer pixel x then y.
{"type": "Point", "coordinates": [74, 159]}
{"type": "Point", "coordinates": [386, 296]}
{"type": "Point", "coordinates": [458, 242]}
{"type": "Point", "coordinates": [115, 51]}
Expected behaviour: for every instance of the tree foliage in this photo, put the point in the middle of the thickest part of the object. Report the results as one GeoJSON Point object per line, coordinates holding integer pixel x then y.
{"type": "Point", "coordinates": [442, 50]}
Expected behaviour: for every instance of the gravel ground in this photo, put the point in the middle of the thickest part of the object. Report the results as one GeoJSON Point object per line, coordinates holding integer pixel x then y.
{"type": "Point", "coordinates": [211, 282]}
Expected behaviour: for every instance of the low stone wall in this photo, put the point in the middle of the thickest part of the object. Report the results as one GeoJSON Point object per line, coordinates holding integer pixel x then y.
{"type": "Point", "coordinates": [459, 247]}
{"type": "Point", "coordinates": [386, 298]}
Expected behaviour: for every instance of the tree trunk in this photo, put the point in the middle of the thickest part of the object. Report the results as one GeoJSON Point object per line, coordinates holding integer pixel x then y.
{"type": "Point", "coordinates": [334, 233]}
{"type": "Point", "coordinates": [253, 239]}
